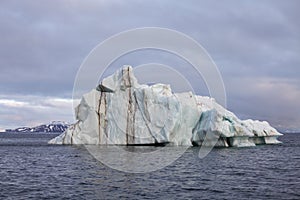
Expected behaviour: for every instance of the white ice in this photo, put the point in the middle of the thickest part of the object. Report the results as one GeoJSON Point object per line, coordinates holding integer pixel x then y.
{"type": "Point", "coordinates": [120, 111]}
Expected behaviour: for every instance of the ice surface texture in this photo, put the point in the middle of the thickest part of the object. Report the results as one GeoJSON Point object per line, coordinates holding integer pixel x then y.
{"type": "Point", "coordinates": [121, 111]}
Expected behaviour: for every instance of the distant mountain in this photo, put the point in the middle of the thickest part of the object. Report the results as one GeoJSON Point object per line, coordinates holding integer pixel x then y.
{"type": "Point", "coordinates": [52, 127]}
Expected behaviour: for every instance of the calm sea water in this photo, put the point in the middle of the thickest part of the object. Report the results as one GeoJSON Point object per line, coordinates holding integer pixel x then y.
{"type": "Point", "coordinates": [32, 169]}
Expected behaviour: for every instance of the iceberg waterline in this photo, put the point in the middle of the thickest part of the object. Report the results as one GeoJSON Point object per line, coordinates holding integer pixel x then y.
{"type": "Point", "coordinates": [121, 111]}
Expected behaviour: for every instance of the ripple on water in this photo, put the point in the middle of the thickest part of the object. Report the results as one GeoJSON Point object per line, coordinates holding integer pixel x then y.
{"type": "Point", "coordinates": [30, 168]}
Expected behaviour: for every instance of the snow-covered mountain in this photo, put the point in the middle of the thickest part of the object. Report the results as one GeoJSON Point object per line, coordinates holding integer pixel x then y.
{"type": "Point", "coordinates": [52, 127]}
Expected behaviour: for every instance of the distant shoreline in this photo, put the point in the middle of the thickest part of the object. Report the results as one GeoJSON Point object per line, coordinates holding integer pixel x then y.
{"type": "Point", "coordinates": [54, 133]}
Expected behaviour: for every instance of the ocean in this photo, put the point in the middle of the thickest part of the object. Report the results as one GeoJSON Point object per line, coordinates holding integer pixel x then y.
{"type": "Point", "coordinates": [32, 169]}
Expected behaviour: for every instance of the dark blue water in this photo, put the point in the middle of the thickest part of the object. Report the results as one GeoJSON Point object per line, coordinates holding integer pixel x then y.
{"type": "Point", "coordinates": [32, 169]}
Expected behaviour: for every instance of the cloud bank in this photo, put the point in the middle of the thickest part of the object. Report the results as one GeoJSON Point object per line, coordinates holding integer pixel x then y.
{"type": "Point", "coordinates": [255, 44]}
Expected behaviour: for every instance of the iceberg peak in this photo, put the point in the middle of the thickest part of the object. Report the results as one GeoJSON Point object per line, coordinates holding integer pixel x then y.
{"type": "Point", "coordinates": [122, 79]}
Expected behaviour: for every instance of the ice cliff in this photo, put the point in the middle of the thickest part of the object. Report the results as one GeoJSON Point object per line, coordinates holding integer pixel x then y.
{"type": "Point", "coordinates": [123, 112]}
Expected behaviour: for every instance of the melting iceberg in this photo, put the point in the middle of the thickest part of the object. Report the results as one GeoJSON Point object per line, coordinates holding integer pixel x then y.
{"type": "Point", "coordinates": [121, 111]}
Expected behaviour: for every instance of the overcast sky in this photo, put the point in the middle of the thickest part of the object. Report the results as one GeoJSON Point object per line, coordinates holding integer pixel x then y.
{"type": "Point", "coordinates": [255, 44]}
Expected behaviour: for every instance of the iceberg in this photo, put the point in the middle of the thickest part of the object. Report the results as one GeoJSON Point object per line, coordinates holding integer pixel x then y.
{"type": "Point", "coordinates": [120, 111]}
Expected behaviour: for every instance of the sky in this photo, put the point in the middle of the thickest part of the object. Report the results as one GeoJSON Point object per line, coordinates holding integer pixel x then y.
{"type": "Point", "coordinates": [254, 43]}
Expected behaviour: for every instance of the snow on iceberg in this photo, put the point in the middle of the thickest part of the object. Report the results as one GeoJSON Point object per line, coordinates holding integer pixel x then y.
{"type": "Point", "coordinates": [121, 111]}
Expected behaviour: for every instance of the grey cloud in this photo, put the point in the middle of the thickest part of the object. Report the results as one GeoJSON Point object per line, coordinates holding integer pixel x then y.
{"type": "Point", "coordinates": [44, 42]}
{"type": "Point", "coordinates": [19, 110]}
{"type": "Point", "coordinates": [272, 99]}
